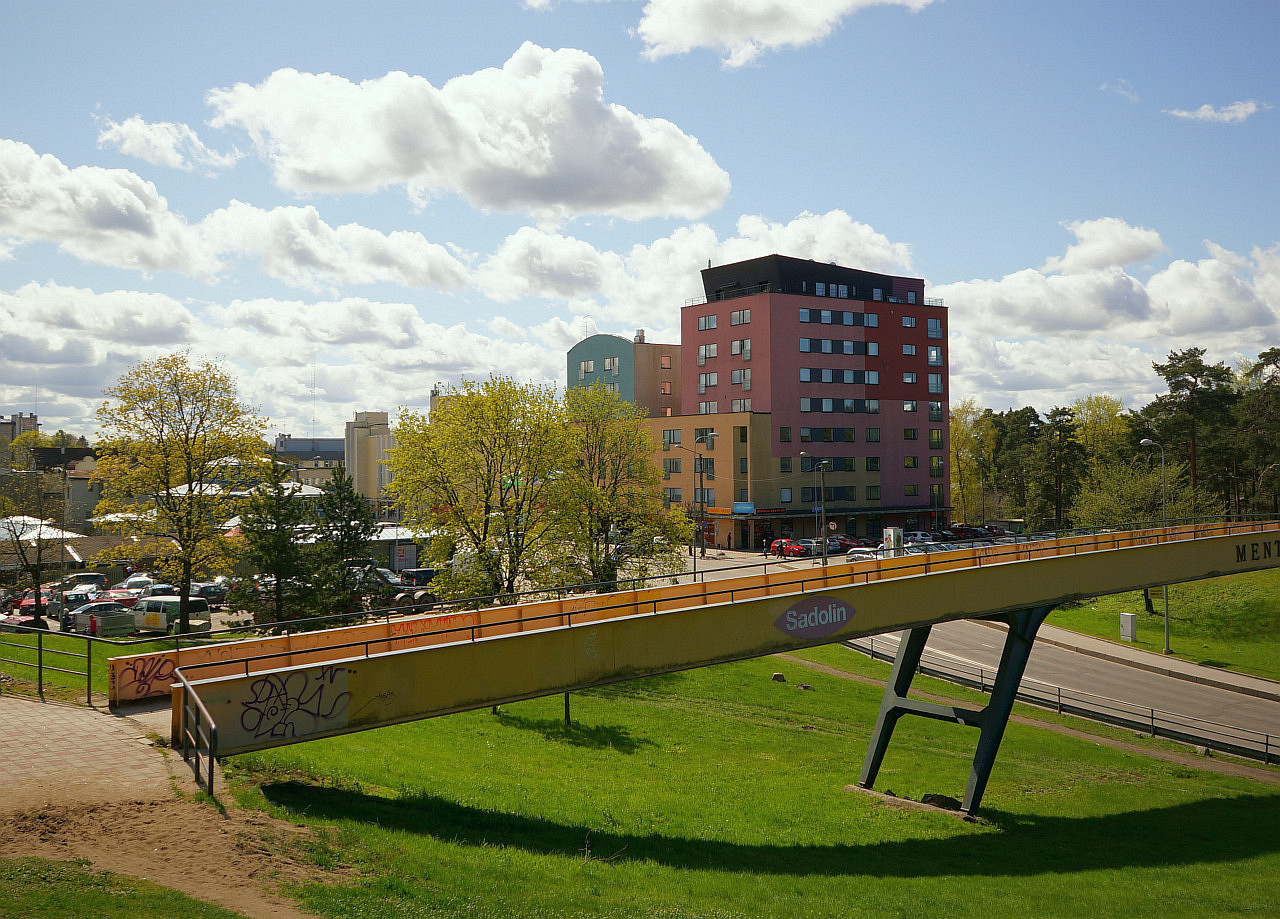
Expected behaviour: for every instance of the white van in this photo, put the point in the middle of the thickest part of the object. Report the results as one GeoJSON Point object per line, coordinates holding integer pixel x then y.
{"type": "Point", "coordinates": [163, 614]}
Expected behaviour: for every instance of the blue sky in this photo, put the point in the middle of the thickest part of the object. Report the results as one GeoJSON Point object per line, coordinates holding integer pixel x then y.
{"type": "Point", "coordinates": [349, 204]}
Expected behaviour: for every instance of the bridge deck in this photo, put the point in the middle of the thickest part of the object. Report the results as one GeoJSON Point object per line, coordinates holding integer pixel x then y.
{"type": "Point", "coordinates": [350, 681]}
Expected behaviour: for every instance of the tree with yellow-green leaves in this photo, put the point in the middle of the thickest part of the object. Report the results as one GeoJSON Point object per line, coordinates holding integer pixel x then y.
{"type": "Point", "coordinates": [479, 481]}
{"type": "Point", "coordinates": [514, 487]}
{"type": "Point", "coordinates": [973, 445]}
{"type": "Point", "coordinates": [178, 452]}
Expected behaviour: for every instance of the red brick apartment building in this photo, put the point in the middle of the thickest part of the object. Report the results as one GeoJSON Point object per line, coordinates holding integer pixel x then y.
{"type": "Point", "coordinates": [809, 387]}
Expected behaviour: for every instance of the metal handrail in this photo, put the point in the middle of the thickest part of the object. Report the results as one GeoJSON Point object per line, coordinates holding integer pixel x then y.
{"type": "Point", "coordinates": [191, 735]}
{"type": "Point", "coordinates": [1243, 742]}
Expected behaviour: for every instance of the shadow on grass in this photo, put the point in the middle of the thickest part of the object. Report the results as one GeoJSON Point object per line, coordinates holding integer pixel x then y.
{"type": "Point", "coordinates": [1217, 830]}
{"type": "Point", "coordinates": [598, 737]}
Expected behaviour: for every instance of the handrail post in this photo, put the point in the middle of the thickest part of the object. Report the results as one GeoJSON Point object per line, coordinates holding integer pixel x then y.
{"type": "Point", "coordinates": [40, 662]}
{"type": "Point", "coordinates": [88, 670]}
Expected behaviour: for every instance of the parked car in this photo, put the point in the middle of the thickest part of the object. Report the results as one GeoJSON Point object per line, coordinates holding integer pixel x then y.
{"type": "Point", "coordinates": [811, 546]}
{"type": "Point", "coordinates": [215, 594]}
{"type": "Point", "coordinates": [50, 600]}
{"type": "Point", "coordinates": [787, 548]}
{"type": "Point", "coordinates": [119, 595]}
{"type": "Point", "coordinates": [861, 554]}
{"type": "Point", "coordinates": [916, 536]}
{"type": "Point", "coordinates": [163, 614]}
{"type": "Point", "coordinates": [156, 589]}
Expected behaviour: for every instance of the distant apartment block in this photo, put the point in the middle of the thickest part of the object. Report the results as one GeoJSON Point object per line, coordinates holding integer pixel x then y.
{"type": "Point", "coordinates": [368, 438]}
{"type": "Point", "coordinates": [646, 374]}
{"type": "Point", "coordinates": [826, 389]}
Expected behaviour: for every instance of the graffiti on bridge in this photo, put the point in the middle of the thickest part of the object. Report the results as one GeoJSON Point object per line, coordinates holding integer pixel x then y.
{"type": "Point", "coordinates": [296, 704]}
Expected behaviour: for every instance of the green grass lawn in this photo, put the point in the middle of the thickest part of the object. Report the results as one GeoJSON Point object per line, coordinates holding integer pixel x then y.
{"type": "Point", "coordinates": [722, 793]}
{"type": "Point", "coordinates": [1231, 622]}
{"type": "Point", "coordinates": [34, 888]}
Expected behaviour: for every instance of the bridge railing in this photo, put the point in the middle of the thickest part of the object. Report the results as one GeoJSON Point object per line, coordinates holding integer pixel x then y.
{"type": "Point", "coordinates": [1238, 741]}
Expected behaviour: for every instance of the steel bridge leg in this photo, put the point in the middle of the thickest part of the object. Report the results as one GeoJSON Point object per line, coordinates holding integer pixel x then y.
{"type": "Point", "coordinates": [990, 721]}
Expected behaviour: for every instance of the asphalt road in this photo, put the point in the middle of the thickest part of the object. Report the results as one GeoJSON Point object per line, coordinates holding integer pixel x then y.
{"type": "Point", "coordinates": [981, 644]}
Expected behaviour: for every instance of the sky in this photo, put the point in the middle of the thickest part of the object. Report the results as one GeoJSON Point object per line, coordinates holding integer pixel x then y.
{"type": "Point", "coordinates": [349, 204]}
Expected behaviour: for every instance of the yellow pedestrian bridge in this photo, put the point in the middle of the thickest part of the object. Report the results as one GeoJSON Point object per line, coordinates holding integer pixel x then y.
{"type": "Point", "coordinates": [249, 695]}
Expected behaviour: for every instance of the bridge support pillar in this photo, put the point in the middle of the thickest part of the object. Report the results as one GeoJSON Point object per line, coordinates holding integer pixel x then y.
{"type": "Point", "coordinates": [990, 721]}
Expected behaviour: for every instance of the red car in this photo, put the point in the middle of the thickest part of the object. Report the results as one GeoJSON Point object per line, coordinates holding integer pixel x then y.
{"type": "Point", "coordinates": [788, 548]}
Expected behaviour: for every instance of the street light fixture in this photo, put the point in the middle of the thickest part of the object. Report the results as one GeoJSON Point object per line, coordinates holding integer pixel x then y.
{"type": "Point", "coordinates": [820, 467]}
{"type": "Point", "coordinates": [701, 541]}
{"type": "Point", "coordinates": [1164, 523]}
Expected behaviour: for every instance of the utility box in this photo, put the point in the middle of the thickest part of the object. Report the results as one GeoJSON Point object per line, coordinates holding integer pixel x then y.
{"type": "Point", "coordinates": [1128, 626]}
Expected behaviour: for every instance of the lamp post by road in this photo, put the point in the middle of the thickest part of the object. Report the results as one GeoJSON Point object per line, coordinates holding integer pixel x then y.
{"type": "Point", "coordinates": [1164, 523]}
{"type": "Point", "coordinates": [820, 467]}
{"type": "Point", "coordinates": [701, 540]}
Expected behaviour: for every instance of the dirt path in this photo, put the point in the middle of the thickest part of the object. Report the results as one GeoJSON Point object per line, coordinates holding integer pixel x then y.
{"type": "Point", "coordinates": [82, 783]}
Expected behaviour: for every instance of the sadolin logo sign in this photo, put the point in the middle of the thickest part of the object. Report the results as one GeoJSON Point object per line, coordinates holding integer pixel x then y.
{"type": "Point", "coordinates": [814, 617]}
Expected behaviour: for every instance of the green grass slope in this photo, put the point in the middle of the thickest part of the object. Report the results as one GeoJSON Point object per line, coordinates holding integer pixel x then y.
{"type": "Point", "coordinates": [721, 793]}
{"type": "Point", "coordinates": [1231, 622]}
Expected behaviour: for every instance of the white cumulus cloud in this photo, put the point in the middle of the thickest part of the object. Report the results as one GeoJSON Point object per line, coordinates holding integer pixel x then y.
{"type": "Point", "coordinates": [1235, 113]}
{"type": "Point", "coordinates": [296, 246]}
{"type": "Point", "coordinates": [741, 30]}
{"type": "Point", "coordinates": [163, 143]}
{"type": "Point", "coordinates": [108, 216]}
{"type": "Point", "coordinates": [1103, 243]}
{"type": "Point", "coordinates": [534, 135]}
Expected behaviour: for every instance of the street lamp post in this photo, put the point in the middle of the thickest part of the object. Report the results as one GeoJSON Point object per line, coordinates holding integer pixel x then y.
{"type": "Point", "coordinates": [1164, 523]}
{"type": "Point", "coordinates": [820, 516]}
{"type": "Point", "coordinates": [700, 542]}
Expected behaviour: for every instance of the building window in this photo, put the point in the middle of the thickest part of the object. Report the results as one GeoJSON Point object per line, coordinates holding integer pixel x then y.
{"type": "Point", "coordinates": [784, 464]}
{"type": "Point", "coordinates": [935, 355]}
{"type": "Point", "coordinates": [739, 317]}
{"type": "Point", "coordinates": [665, 362]}
{"type": "Point", "coordinates": [909, 405]}
{"type": "Point", "coordinates": [741, 377]}
{"type": "Point", "coordinates": [935, 411]}
{"type": "Point", "coordinates": [742, 465]}
{"type": "Point", "coordinates": [935, 495]}
{"type": "Point", "coordinates": [706, 351]}
{"type": "Point", "coordinates": [612, 365]}
{"type": "Point", "coordinates": [872, 436]}
{"type": "Point", "coordinates": [908, 322]}
{"type": "Point", "coordinates": [873, 491]}
{"type": "Point", "coordinates": [741, 405]}
{"type": "Point", "coordinates": [910, 433]}
{"type": "Point", "coordinates": [784, 435]}
{"type": "Point", "coordinates": [611, 387]}
{"type": "Point", "coordinates": [706, 323]}
{"type": "Point", "coordinates": [843, 292]}
{"type": "Point", "coordinates": [670, 466]}
{"type": "Point", "coordinates": [911, 296]}
{"type": "Point", "coordinates": [707, 408]}
{"type": "Point", "coordinates": [704, 496]}
{"type": "Point", "coordinates": [873, 406]}
{"type": "Point", "coordinates": [935, 383]}
{"type": "Point", "coordinates": [910, 491]}
{"type": "Point", "coordinates": [742, 494]}
{"type": "Point", "coordinates": [820, 289]}
{"type": "Point", "coordinates": [806, 435]}
{"type": "Point", "coordinates": [935, 467]}
{"type": "Point", "coordinates": [784, 495]}
{"type": "Point", "coordinates": [911, 462]}
{"type": "Point", "coordinates": [873, 377]}
{"type": "Point", "coordinates": [707, 379]}
{"type": "Point", "coordinates": [741, 346]}
{"type": "Point", "coordinates": [873, 464]}
{"type": "Point", "coordinates": [909, 350]}
{"type": "Point", "coordinates": [670, 437]}
{"type": "Point", "coordinates": [806, 345]}
{"type": "Point", "coordinates": [935, 438]}
{"type": "Point", "coordinates": [877, 294]}
{"type": "Point", "coordinates": [908, 376]}
{"type": "Point", "coordinates": [671, 496]}
{"type": "Point", "coordinates": [742, 433]}
{"type": "Point", "coordinates": [665, 387]}
{"type": "Point", "coordinates": [585, 367]}
{"type": "Point", "coordinates": [935, 328]}
{"type": "Point", "coordinates": [700, 435]}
